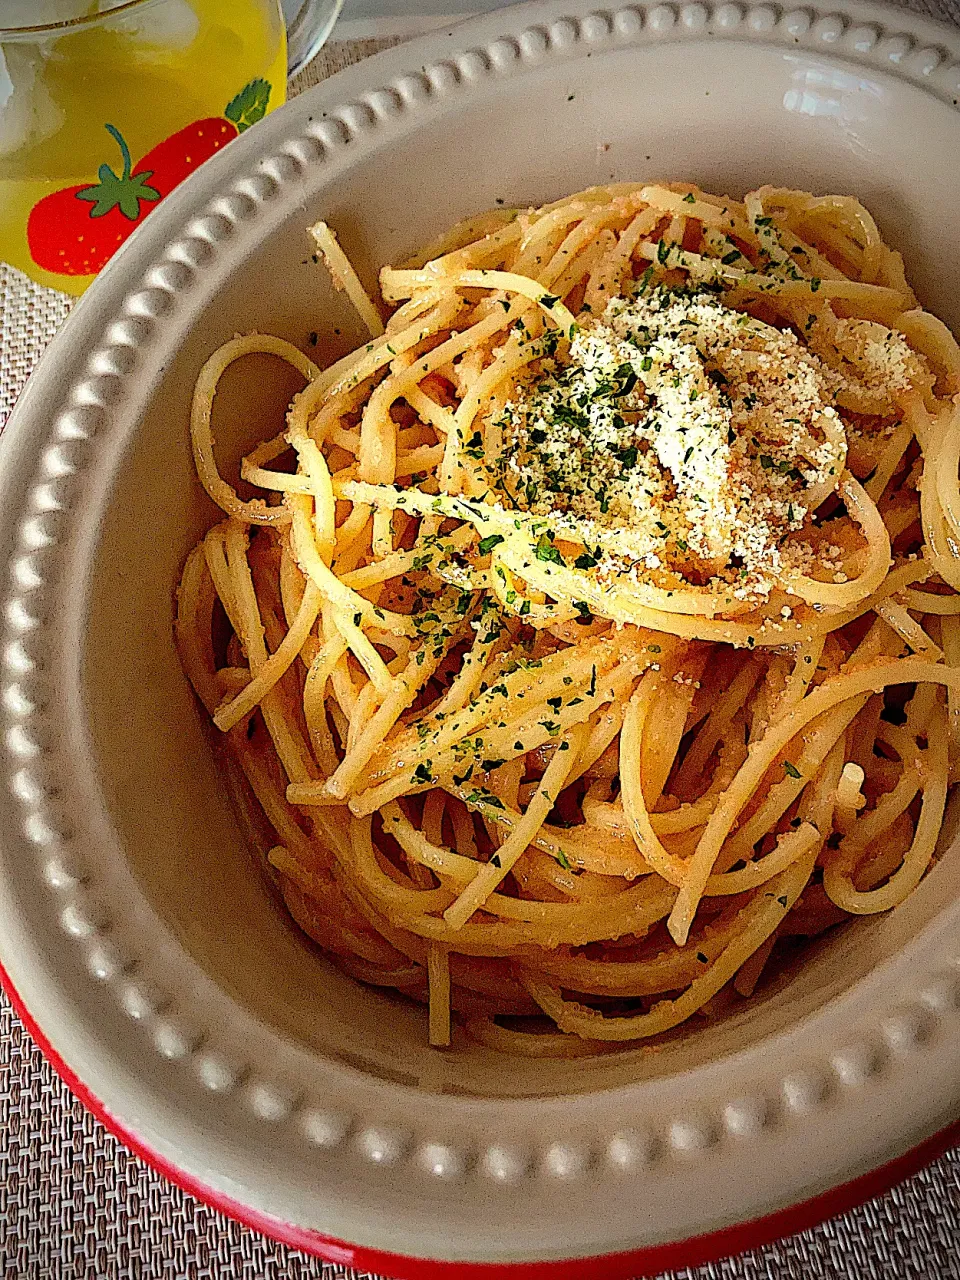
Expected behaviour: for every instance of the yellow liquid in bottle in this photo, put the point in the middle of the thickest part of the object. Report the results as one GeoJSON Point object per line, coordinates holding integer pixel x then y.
{"type": "Point", "coordinates": [121, 111]}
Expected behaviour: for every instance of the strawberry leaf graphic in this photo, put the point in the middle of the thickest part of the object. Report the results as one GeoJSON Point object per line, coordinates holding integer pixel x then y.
{"type": "Point", "coordinates": [250, 104]}
{"type": "Point", "coordinates": [123, 192]}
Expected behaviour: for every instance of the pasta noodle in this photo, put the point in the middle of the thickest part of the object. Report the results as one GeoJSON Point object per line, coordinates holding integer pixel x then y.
{"type": "Point", "coordinates": [595, 631]}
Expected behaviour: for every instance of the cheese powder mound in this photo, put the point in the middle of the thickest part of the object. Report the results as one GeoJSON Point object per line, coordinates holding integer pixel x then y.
{"type": "Point", "coordinates": [876, 364]}
{"type": "Point", "coordinates": [702, 434]}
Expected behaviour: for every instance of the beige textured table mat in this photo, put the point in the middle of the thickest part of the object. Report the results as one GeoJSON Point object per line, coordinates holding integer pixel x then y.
{"type": "Point", "coordinates": [75, 1205]}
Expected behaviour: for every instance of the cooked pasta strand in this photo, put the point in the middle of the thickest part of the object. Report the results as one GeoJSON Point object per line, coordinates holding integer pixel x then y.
{"type": "Point", "coordinates": [597, 623]}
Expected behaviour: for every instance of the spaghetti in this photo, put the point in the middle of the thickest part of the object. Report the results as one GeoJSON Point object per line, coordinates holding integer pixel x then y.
{"type": "Point", "coordinates": [595, 632]}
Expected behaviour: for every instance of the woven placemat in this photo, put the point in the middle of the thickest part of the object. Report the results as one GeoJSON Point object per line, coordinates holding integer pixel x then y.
{"type": "Point", "coordinates": [76, 1204]}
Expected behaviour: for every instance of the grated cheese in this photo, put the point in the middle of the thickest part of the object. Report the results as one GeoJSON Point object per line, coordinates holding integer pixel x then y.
{"type": "Point", "coordinates": [876, 364]}
{"type": "Point", "coordinates": [693, 429]}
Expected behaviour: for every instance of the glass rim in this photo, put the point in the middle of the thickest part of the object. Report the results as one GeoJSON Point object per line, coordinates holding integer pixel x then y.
{"type": "Point", "coordinates": [71, 24]}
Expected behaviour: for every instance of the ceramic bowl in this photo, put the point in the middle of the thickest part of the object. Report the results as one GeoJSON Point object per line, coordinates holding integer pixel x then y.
{"type": "Point", "coordinates": [136, 929]}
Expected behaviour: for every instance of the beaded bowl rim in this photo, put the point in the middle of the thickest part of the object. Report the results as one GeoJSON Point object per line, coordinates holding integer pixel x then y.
{"type": "Point", "coordinates": [363, 1139]}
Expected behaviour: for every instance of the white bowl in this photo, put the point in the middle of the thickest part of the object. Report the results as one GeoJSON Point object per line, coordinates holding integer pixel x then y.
{"type": "Point", "coordinates": [135, 924]}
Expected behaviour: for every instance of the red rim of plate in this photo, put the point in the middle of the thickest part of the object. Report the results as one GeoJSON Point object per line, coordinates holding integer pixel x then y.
{"type": "Point", "coordinates": [635, 1263]}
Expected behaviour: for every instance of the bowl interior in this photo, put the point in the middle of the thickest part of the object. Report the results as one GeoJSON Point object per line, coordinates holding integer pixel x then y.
{"type": "Point", "coordinates": [813, 123]}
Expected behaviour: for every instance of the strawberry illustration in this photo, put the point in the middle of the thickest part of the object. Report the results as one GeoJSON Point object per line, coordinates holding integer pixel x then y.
{"type": "Point", "coordinates": [75, 231]}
